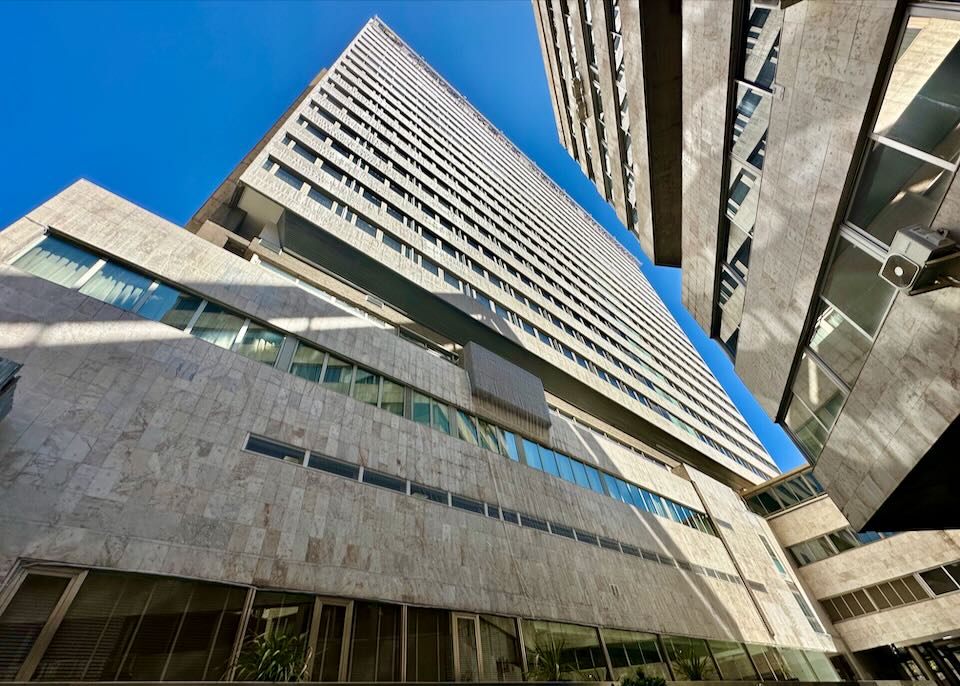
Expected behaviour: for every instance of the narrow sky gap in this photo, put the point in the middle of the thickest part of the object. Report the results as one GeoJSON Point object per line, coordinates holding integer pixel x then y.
{"type": "Point", "coordinates": [158, 101]}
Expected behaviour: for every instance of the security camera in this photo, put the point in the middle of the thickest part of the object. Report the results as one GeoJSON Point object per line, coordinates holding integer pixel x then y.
{"type": "Point", "coordinates": [921, 260]}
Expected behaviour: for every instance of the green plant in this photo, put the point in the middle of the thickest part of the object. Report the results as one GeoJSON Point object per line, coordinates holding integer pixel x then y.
{"type": "Point", "coordinates": [692, 667]}
{"type": "Point", "coordinates": [641, 679]}
{"type": "Point", "coordinates": [548, 661]}
{"type": "Point", "coordinates": [274, 656]}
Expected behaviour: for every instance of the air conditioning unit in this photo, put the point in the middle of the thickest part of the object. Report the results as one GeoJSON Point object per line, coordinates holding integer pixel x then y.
{"type": "Point", "coordinates": [921, 260]}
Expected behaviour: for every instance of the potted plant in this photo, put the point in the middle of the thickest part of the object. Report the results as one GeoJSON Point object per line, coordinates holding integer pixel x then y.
{"type": "Point", "coordinates": [273, 656]}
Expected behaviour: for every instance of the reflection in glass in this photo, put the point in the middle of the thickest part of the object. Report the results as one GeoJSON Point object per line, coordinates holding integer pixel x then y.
{"type": "Point", "coordinates": [854, 286]}
{"type": "Point", "coordinates": [366, 386]}
{"type": "Point", "coordinates": [326, 661]}
{"type": "Point", "coordinates": [763, 46]}
{"type": "Point", "coordinates": [392, 398]}
{"type": "Point", "coordinates": [896, 190]}
{"type": "Point", "coordinates": [441, 416]}
{"type": "Point", "coordinates": [743, 196]}
{"type": "Point", "coordinates": [467, 428]}
{"type": "Point", "coordinates": [421, 409]}
{"type": "Point", "coordinates": [690, 658]}
{"type": "Point", "coordinates": [733, 661]}
{"type": "Point", "coordinates": [307, 362]}
{"type": "Point", "coordinates": [809, 432]}
{"type": "Point", "coordinates": [338, 375]}
{"type": "Point", "coordinates": [768, 662]}
{"type": "Point", "coordinates": [563, 652]}
{"type": "Point", "coordinates": [116, 286]}
{"type": "Point", "coordinates": [751, 119]}
{"type": "Point", "coordinates": [177, 314]}
{"type": "Point", "coordinates": [921, 106]}
{"type": "Point", "coordinates": [500, 649]}
{"type": "Point", "coordinates": [375, 644]}
{"type": "Point", "coordinates": [217, 325]}
{"type": "Point", "coordinates": [57, 261]}
{"type": "Point", "coordinates": [24, 618]}
{"type": "Point", "coordinates": [429, 645]}
{"type": "Point", "coordinates": [632, 650]}
{"type": "Point", "coordinates": [738, 250]}
{"type": "Point", "coordinates": [469, 660]}
{"type": "Point", "coordinates": [260, 343]}
{"type": "Point", "coordinates": [818, 391]}
{"type": "Point", "coordinates": [840, 344]}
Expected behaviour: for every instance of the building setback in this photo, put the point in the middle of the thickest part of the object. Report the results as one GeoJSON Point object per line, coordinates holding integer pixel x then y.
{"type": "Point", "coordinates": [382, 403]}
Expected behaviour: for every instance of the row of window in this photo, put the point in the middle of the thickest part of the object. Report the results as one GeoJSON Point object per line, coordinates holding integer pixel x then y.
{"type": "Point", "coordinates": [70, 624]}
{"type": "Point", "coordinates": [315, 460]}
{"type": "Point", "coordinates": [784, 494]}
{"type": "Point", "coordinates": [904, 174]}
{"type": "Point", "coordinates": [431, 237]}
{"type": "Point", "coordinates": [71, 266]}
{"type": "Point", "coordinates": [381, 122]}
{"type": "Point", "coordinates": [894, 593]}
{"type": "Point", "coordinates": [375, 230]}
{"type": "Point", "coordinates": [833, 543]}
{"type": "Point", "coordinates": [748, 140]}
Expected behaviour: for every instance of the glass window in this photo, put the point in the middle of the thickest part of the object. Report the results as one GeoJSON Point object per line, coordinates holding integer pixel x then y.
{"type": "Point", "coordinates": [488, 436]}
{"type": "Point", "coordinates": [896, 190]}
{"type": "Point", "coordinates": [270, 448]}
{"type": "Point", "coordinates": [768, 662]}
{"type": "Point", "coordinates": [338, 375]}
{"type": "Point", "coordinates": [733, 661]}
{"type": "Point", "coordinates": [751, 119]}
{"type": "Point", "coordinates": [429, 645]}
{"type": "Point", "coordinates": [127, 627]}
{"type": "Point", "coordinates": [549, 461]}
{"type": "Point", "coordinates": [217, 325]}
{"type": "Point", "coordinates": [117, 286]}
{"type": "Point", "coordinates": [762, 46]}
{"type": "Point", "coordinates": [565, 465]}
{"type": "Point", "coordinates": [392, 398]}
{"type": "Point", "coordinates": [24, 618]}
{"type": "Point", "coordinates": [921, 107]}
{"type": "Point", "coordinates": [855, 287]}
{"type": "Point", "coordinates": [593, 476]}
{"type": "Point", "coordinates": [939, 581]}
{"type": "Point", "coordinates": [797, 666]}
{"type": "Point", "coordinates": [500, 649]}
{"type": "Point", "coordinates": [421, 409]}
{"type": "Point", "coordinates": [531, 452]}
{"type": "Point", "coordinates": [818, 391]}
{"type": "Point", "coordinates": [375, 644]}
{"type": "Point", "coordinates": [839, 343]}
{"type": "Point", "coordinates": [320, 197]}
{"type": "Point", "coordinates": [260, 343]}
{"type": "Point", "coordinates": [690, 658]}
{"type": "Point", "coordinates": [843, 540]}
{"type": "Point", "coordinates": [57, 261]}
{"type": "Point", "coordinates": [738, 250]}
{"type": "Point", "coordinates": [510, 442]}
{"type": "Point", "coordinates": [307, 362]}
{"type": "Point", "coordinates": [366, 386]}
{"type": "Point", "coordinates": [633, 650]}
{"type": "Point", "coordinates": [467, 428]}
{"type": "Point", "coordinates": [580, 474]}
{"type": "Point", "coordinates": [164, 300]}
{"type": "Point", "coordinates": [441, 416]}
{"type": "Point", "coordinates": [743, 196]}
{"type": "Point", "coordinates": [809, 432]}
{"type": "Point", "coordinates": [563, 652]}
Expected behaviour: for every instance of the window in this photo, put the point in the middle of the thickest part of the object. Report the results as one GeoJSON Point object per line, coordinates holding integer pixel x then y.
{"type": "Point", "coordinates": [216, 325]}
{"type": "Point", "coordinates": [260, 343]}
{"type": "Point", "coordinates": [307, 362]}
{"type": "Point", "coordinates": [57, 261]}
{"type": "Point", "coordinates": [563, 652]}
{"type": "Point", "coordinates": [733, 661]}
{"type": "Point", "coordinates": [366, 386]}
{"type": "Point", "coordinates": [337, 375]}
{"type": "Point", "coordinates": [117, 286]}
{"type": "Point", "coordinates": [392, 399]}
{"type": "Point", "coordinates": [25, 616]}
{"type": "Point", "coordinates": [375, 643]}
{"type": "Point", "coordinates": [265, 446]}
{"type": "Point", "coordinates": [467, 428]}
{"type": "Point", "coordinates": [429, 645]}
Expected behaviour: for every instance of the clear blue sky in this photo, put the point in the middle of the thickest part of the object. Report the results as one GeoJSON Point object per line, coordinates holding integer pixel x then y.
{"type": "Point", "coordinates": [158, 101]}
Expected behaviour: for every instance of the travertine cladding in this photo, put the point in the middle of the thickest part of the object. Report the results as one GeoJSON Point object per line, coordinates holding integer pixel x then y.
{"type": "Point", "coordinates": [830, 55]}
{"type": "Point", "coordinates": [906, 396]}
{"type": "Point", "coordinates": [123, 451]}
{"type": "Point", "coordinates": [880, 561]}
{"type": "Point", "coordinates": [707, 28]}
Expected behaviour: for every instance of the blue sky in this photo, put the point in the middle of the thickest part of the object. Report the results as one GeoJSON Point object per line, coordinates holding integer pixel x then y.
{"type": "Point", "coordinates": [158, 101]}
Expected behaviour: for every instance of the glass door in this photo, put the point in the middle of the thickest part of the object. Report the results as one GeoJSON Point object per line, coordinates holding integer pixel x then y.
{"type": "Point", "coordinates": [466, 647]}
{"type": "Point", "coordinates": [328, 639]}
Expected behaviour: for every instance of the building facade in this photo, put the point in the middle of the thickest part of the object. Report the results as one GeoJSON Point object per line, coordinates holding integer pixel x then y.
{"type": "Point", "coordinates": [893, 599]}
{"type": "Point", "coordinates": [813, 132]}
{"type": "Point", "coordinates": [376, 406]}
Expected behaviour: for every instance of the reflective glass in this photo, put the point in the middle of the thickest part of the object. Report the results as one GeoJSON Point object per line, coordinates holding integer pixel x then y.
{"type": "Point", "coordinates": [743, 195]}
{"type": "Point", "coordinates": [57, 261]}
{"type": "Point", "coordinates": [500, 649]}
{"type": "Point", "coordinates": [337, 375]}
{"type": "Point", "coordinates": [797, 666]}
{"type": "Point", "coordinates": [565, 465]}
{"type": "Point", "coordinates": [307, 362]}
{"type": "Point", "coordinates": [549, 461]}
{"type": "Point", "coordinates": [805, 428]}
{"type": "Point", "coordinates": [819, 393]}
{"type": "Point", "coordinates": [510, 443]}
{"type": "Point", "coordinates": [467, 428]}
{"type": "Point", "coordinates": [921, 106]}
{"type": "Point", "coordinates": [441, 416]}
{"type": "Point", "coordinates": [563, 652]}
{"type": "Point", "coordinates": [738, 250]}
{"type": "Point", "coordinates": [531, 452]}
{"type": "Point", "coordinates": [690, 658]}
{"type": "Point", "coordinates": [854, 286]}
{"type": "Point", "coordinates": [751, 119]}
{"type": "Point", "coordinates": [260, 343]}
{"type": "Point", "coordinates": [217, 325]}
{"type": "Point", "coordinates": [116, 286]}
{"type": "Point", "coordinates": [633, 650]}
{"type": "Point", "coordinates": [421, 409]}
{"type": "Point", "coordinates": [839, 343]}
{"type": "Point", "coordinates": [733, 661]}
{"type": "Point", "coordinates": [392, 399]}
{"type": "Point", "coordinates": [896, 190]}
{"type": "Point", "coordinates": [180, 312]}
{"type": "Point", "coordinates": [160, 301]}
{"type": "Point", "coordinates": [762, 48]}
{"type": "Point", "coordinates": [939, 581]}
{"type": "Point", "coordinates": [366, 386]}
{"type": "Point", "coordinates": [593, 476]}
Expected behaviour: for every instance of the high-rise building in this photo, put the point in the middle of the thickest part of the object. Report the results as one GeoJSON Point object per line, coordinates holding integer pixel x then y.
{"type": "Point", "coordinates": [814, 133]}
{"type": "Point", "coordinates": [394, 407]}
